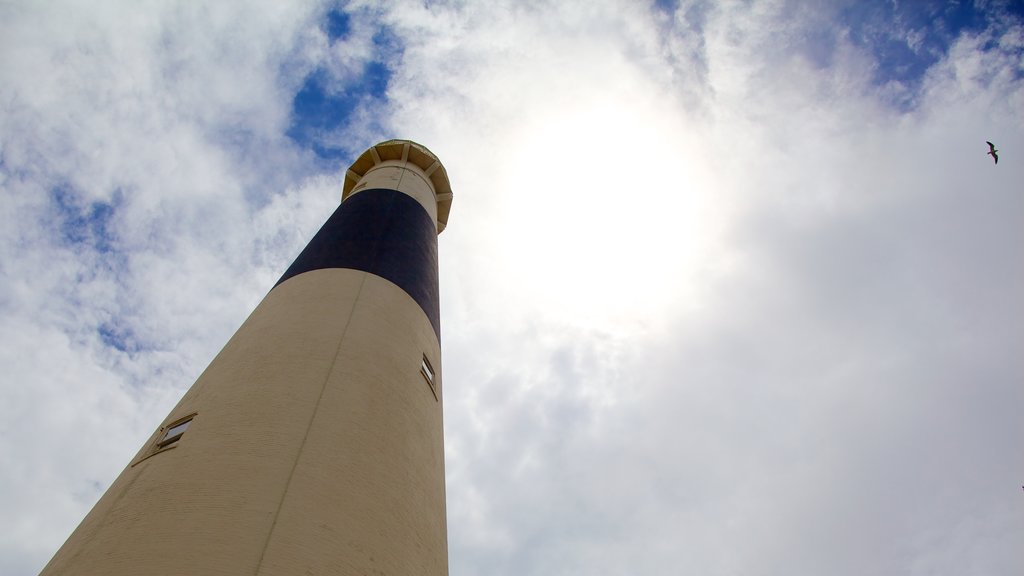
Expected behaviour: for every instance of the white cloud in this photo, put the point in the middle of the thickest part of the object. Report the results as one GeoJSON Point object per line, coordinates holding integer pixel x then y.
{"type": "Point", "coordinates": [709, 302]}
{"type": "Point", "coordinates": [805, 410]}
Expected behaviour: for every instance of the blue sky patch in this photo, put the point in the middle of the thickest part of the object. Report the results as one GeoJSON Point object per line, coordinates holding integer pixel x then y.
{"type": "Point", "coordinates": [325, 106]}
{"type": "Point", "coordinates": [338, 25]}
{"type": "Point", "coordinates": [85, 224]}
{"type": "Point", "coordinates": [118, 337]}
{"type": "Point", "coordinates": [908, 38]}
{"type": "Point", "coordinates": [666, 6]}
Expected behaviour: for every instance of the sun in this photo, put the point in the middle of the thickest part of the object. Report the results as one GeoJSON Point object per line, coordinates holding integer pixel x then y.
{"type": "Point", "coordinates": [615, 213]}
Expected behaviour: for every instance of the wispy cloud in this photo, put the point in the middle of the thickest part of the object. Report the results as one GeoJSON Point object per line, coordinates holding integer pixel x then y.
{"type": "Point", "coordinates": [732, 288]}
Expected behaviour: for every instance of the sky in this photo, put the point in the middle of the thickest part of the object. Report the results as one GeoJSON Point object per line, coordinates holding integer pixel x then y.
{"type": "Point", "coordinates": [727, 287]}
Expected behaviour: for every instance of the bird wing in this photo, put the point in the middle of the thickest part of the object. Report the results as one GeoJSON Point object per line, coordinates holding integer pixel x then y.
{"type": "Point", "coordinates": [995, 157]}
{"type": "Point", "coordinates": [991, 146]}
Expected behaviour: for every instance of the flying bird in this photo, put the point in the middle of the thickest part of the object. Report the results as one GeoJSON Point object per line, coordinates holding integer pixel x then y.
{"type": "Point", "coordinates": [992, 151]}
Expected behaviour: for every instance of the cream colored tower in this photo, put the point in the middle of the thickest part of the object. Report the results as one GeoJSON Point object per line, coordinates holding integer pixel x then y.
{"type": "Point", "coordinates": [313, 442]}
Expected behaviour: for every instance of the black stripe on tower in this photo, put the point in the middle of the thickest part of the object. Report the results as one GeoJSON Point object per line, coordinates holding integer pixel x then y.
{"type": "Point", "coordinates": [383, 232]}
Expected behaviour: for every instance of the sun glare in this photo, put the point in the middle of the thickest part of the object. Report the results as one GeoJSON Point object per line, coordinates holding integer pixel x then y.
{"type": "Point", "coordinates": [617, 214]}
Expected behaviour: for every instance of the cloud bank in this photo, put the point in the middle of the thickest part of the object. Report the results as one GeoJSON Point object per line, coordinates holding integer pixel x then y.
{"type": "Point", "coordinates": [726, 288]}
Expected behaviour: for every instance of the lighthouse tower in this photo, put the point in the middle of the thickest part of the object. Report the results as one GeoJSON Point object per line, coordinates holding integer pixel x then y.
{"type": "Point", "coordinates": [312, 444]}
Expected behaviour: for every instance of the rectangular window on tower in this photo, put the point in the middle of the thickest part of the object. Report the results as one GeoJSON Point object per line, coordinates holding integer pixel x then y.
{"type": "Point", "coordinates": [428, 374]}
{"type": "Point", "coordinates": [174, 432]}
{"type": "Point", "coordinates": [167, 437]}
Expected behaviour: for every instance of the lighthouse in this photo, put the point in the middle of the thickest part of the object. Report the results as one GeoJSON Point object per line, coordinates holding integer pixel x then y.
{"type": "Point", "coordinates": [313, 442]}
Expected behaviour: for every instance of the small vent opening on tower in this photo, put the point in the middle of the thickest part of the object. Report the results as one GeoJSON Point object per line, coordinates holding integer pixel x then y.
{"type": "Point", "coordinates": [174, 432]}
{"type": "Point", "coordinates": [428, 374]}
{"type": "Point", "coordinates": [167, 437]}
